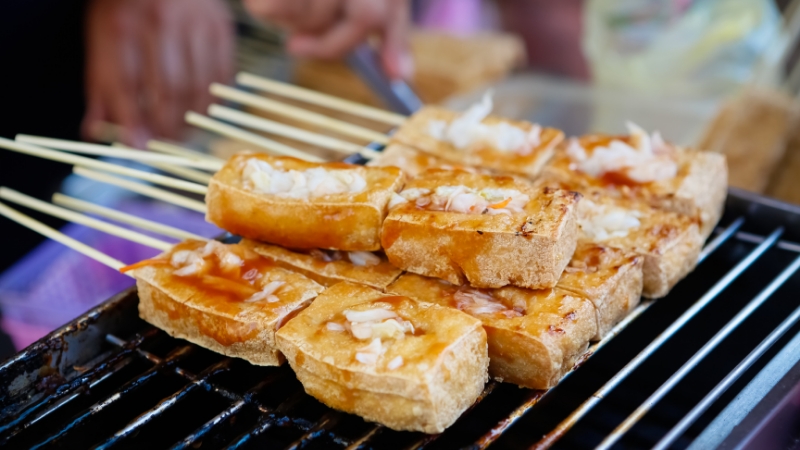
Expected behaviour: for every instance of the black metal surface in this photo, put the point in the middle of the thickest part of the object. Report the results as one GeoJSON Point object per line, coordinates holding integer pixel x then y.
{"type": "Point", "coordinates": [109, 380]}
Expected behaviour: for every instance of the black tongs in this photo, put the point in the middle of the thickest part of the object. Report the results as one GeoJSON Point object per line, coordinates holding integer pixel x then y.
{"type": "Point", "coordinates": [396, 94]}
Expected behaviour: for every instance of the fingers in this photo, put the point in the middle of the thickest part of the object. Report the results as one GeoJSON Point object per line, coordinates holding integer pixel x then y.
{"type": "Point", "coordinates": [395, 47]}
{"type": "Point", "coordinates": [361, 17]}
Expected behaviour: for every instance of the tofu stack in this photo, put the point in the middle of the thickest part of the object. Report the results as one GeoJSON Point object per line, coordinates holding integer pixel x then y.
{"type": "Point", "coordinates": [474, 247]}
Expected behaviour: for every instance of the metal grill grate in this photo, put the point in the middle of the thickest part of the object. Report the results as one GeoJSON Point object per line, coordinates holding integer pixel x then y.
{"type": "Point", "coordinates": [110, 380]}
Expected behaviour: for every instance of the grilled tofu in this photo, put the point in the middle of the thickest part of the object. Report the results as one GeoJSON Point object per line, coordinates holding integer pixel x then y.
{"type": "Point", "coordinates": [225, 298]}
{"type": "Point", "coordinates": [328, 267]}
{"type": "Point", "coordinates": [535, 336]}
{"type": "Point", "coordinates": [490, 231]}
{"type": "Point", "coordinates": [416, 132]}
{"type": "Point", "coordinates": [684, 181]}
{"type": "Point", "coordinates": [389, 359]}
{"type": "Point", "coordinates": [298, 204]}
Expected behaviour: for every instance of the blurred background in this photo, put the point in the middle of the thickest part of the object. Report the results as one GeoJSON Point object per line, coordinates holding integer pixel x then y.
{"type": "Point", "coordinates": [718, 75]}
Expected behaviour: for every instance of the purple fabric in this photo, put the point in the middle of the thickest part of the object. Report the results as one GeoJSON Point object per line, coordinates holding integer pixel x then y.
{"type": "Point", "coordinates": [456, 16]}
{"type": "Point", "coordinates": [54, 284]}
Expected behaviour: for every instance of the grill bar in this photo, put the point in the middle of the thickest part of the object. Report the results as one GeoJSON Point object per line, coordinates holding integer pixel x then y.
{"type": "Point", "coordinates": [165, 404]}
{"type": "Point", "coordinates": [554, 435]}
{"type": "Point", "coordinates": [229, 412]}
{"type": "Point", "coordinates": [534, 397]}
{"type": "Point", "coordinates": [734, 323]}
{"type": "Point", "coordinates": [88, 380]}
{"type": "Point", "coordinates": [129, 388]}
{"type": "Point", "coordinates": [734, 375]}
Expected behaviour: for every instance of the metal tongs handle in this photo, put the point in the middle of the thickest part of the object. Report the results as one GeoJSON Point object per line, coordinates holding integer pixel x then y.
{"type": "Point", "coordinates": [397, 94]}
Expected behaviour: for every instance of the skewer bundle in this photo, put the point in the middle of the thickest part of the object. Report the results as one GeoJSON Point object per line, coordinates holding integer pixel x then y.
{"type": "Point", "coordinates": [473, 246]}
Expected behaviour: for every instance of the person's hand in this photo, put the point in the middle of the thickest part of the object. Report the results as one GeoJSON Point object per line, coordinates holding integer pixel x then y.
{"type": "Point", "coordinates": [149, 61]}
{"type": "Point", "coordinates": [328, 29]}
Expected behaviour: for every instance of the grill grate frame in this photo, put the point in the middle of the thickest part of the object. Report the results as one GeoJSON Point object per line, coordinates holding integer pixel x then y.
{"type": "Point", "coordinates": [108, 359]}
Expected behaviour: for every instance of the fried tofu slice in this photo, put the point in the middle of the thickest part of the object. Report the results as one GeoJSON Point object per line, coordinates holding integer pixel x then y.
{"type": "Point", "coordinates": [225, 298]}
{"type": "Point", "coordinates": [389, 359]}
{"type": "Point", "coordinates": [328, 267]}
{"type": "Point", "coordinates": [490, 231]}
{"type": "Point", "coordinates": [299, 204]}
{"type": "Point", "coordinates": [413, 162]}
{"type": "Point", "coordinates": [610, 277]}
{"type": "Point", "coordinates": [475, 139]}
{"type": "Point", "coordinates": [535, 336]}
{"type": "Point", "coordinates": [644, 167]}
{"type": "Point", "coordinates": [670, 243]}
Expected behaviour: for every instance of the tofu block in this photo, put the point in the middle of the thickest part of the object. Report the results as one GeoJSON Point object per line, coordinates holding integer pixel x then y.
{"type": "Point", "coordinates": [611, 278]}
{"type": "Point", "coordinates": [389, 359]}
{"type": "Point", "coordinates": [416, 132]}
{"type": "Point", "coordinates": [535, 336]}
{"type": "Point", "coordinates": [490, 231]}
{"type": "Point", "coordinates": [669, 242]}
{"type": "Point", "coordinates": [685, 181]}
{"type": "Point", "coordinates": [413, 162]}
{"type": "Point", "coordinates": [299, 204]}
{"type": "Point", "coordinates": [328, 267]}
{"type": "Point", "coordinates": [225, 298]}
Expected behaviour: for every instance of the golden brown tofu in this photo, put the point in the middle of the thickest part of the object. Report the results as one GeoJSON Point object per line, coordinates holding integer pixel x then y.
{"type": "Point", "coordinates": [413, 162]}
{"type": "Point", "coordinates": [680, 180]}
{"type": "Point", "coordinates": [669, 242]}
{"type": "Point", "coordinates": [389, 359]}
{"type": "Point", "coordinates": [527, 161]}
{"type": "Point", "coordinates": [535, 336]}
{"type": "Point", "coordinates": [225, 298]}
{"type": "Point", "coordinates": [328, 267]}
{"type": "Point", "coordinates": [489, 230]}
{"type": "Point", "coordinates": [299, 204]}
{"type": "Point", "coordinates": [611, 278]}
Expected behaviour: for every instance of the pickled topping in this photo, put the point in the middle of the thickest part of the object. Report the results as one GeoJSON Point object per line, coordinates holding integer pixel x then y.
{"type": "Point", "coordinates": [600, 222]}
{"type": "Point", "coordinates": [333, 326]}
{"type": "Point", "coordinates": [228, 269]}
{"type": "Point", "coordinates": [266, 293]}
{"type": "Point", "coordinates": [395, 363]}
{"type": "Point", "coordinates": [645, 159]}
{"type": "Point", "coordinates": [369, 354]}
{"type": "Point", "coordinates": [262, 177]}
{"type": "Point", "coordinates": [467, 200]}
{"type": "Point", "coordinates": [361, 259]}
{"type": "Point", "coordinates": [468, 132]}
{"type": "Point", "coordinates": [474, 303]}
{"type": "Point", "coordinates": [407, 195]}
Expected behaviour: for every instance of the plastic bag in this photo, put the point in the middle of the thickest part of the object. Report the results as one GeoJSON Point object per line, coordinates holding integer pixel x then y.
{"type": "Point", "coordinates": [683, 47]}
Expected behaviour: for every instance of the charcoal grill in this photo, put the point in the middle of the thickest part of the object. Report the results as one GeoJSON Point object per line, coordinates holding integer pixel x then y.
{"type": "Point", "coordinates": [683, 364]}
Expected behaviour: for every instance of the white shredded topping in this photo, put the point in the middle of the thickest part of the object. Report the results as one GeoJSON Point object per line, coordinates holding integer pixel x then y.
{"type": "Point", "coordinates": [468, 131]}
{"type": "Point", "coordinates": [364, 258]}
{"type": "Point", "coordinates": [475, 302]}
{"type": "Point", "coordinates": [377, 323]}
{"type": "Point", "coordinates": [395, 363]}
{"type": "Point", "coordinates": [333, 326]}
{"type": "Point", "coordinates": [467, 200]}
{"type": "Point", "coordinates": [648, 159]}
{"type": "Point", "coordinates": [309, 183]}
{"type": "Point", "coordinates": [266, 293]}
{"type": "Point", "coordinates": [600, 222]}
{"type": "Point", "coordinates": [370, 353]}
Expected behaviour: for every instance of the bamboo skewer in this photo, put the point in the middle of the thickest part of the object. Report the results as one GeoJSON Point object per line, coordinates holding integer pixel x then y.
{"type": "Point", "coordinates": [328, 101]}
{"type": "Point", "coordinates": [176, 150]}
{"type": "Point", "coordinates": [60, 237]}
{"type": "Point", "coordinates": [126, 153]}
{"type": "Point", "coordinates": [142, 189]}
{"type": "Point", "coordinates": [72, 216]}
{"type": "Point", "coordinates": [119, 216]}
{"type": "Point", "coordinates": [293, 112]}
{"type": "Point", "coordinates": [232, 132]}
{"type": "Point", "coordinates": [101, 165]}
{"type": "Point", "coordinates": [269, 126]}
{"type": "Point", "coordinates": [189, 174]}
